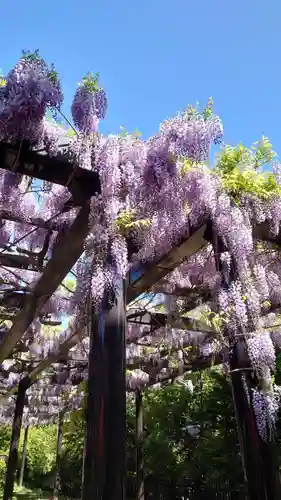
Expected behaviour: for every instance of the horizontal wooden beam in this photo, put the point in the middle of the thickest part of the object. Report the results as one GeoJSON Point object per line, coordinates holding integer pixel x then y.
{"type": "Point", "coordinates": [81, 183]}
{"type": "Point", "coordinates": [65, 254]}
{"type": "Point", "coordinates": [262, 232]}
{"type": "Point", "coordinates": [151, 366]}
{"type": "Point", "coordinates": [19, 261]}
{"type": "Point", "coordinates": [201, 363]}
{"type": "Point", "coordinates": [37, 221]}
{"type": "Point", "coordinates": [150, 274]}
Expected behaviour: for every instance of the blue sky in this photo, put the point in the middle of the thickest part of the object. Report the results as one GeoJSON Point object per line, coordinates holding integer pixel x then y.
{"type": "Point", "coordinates": [156, 56]}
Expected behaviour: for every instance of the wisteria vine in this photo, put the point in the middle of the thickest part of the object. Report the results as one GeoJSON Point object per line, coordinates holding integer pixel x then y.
{"type": "Point", "coordinates": [153, 193]}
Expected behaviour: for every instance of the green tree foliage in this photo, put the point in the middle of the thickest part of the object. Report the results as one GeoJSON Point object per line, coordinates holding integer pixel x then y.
{"type": "Point", "coordinates": [41, 451]}
{"type": "Point", "coordinates": [240, 169]}
{"type": "Point", "coordinates": [5, 437]}
{"type": "Point", "coordinates": [174, 459]}
{"type": "Point", "coordinates": [175, 463]}
{"type": "Point", "coordinates": [72, 459]}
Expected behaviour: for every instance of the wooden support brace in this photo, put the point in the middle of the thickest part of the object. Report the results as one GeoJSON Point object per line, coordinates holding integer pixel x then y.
{"type": "Point", "coordinates": [65, 254]}
{"type": "Point", "coordinates": [139, 447]}
{"type": "Point", "coordinates": [158, 270]}
{"type": "Point", "coordinates": [13, 453]}
{"type": "Point", "coordinates": [56, 488]}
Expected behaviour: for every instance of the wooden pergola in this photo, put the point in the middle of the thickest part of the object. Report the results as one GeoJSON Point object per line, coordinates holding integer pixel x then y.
{"type": "Point", "coordinates": [104, 463]}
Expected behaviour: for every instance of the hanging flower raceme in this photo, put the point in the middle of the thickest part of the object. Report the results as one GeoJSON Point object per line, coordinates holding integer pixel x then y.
{"type": "Point", "coordinates": [266, 406]}
{"type": "Point", "coordinates": [30, 88]}
{"type": "Point", "coordinates": [261, 353]}
{"type": "Point", "coordinates": [89, 105]}
{"type": "Point", "coordinates": [190, 134]}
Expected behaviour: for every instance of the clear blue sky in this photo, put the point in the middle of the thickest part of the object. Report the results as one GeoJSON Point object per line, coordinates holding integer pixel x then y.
{"type": "Point", "coordinates": [156, 56]}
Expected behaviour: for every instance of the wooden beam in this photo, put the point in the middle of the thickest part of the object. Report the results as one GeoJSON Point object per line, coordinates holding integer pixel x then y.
{"type": "Point", "coordinates": [19, 261]}
{"type": "Point", "coordinates": [52, 358]}
{"type": "Point", "coordinates": [152, 273]}
{"type": "Point", "coordinates": [65, 254]}
{"type": "Point", "coordinates": [262, 232]}
{"type": "Point", "coordinates": [200, 363]}
{"type": "Point", "coordinates": [81, 183]}
{"type": "Point", "coordinates": [38, 222]}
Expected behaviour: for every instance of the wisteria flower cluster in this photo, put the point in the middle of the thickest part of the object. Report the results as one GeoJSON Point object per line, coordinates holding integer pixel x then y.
{"type": "Point", "coordinates": [29, 89]}
{"type": "Point", "coordinates": [89, 105]}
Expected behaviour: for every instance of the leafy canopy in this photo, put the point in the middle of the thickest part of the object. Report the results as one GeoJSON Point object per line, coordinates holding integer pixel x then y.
{"type": "Point", "coordinates": [126, 222]}
{"type": "Point", "coordinates": [91, 82]}
{"type": "Point", "coordinates": [240, 170]}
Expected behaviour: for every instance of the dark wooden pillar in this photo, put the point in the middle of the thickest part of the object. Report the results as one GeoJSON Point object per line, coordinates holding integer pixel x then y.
{"type": "Point", "coordinates": [56, 488]}
{"type": "Point", "coordinates": [259, 458]}
{"type": "Point", "coordinates": [104, 464]}
{"type": "Point", "coordinates": [13, 453]}
{"type": "Point", "coordinates": [93, 464]}
{"type": "Point", "coordinates": [23, 457]}
{"type": "Point", "coordinates": [115, 415]}
{"type": "Point", "coordinates": [139, 447]}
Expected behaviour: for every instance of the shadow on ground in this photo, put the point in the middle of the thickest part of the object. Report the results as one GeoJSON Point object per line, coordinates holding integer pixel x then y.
{"type": "Point", "coordinates": [31, 495]}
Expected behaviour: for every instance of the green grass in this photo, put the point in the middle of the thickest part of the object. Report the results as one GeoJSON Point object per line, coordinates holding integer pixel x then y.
{"type": "Point", "coordinates": [26, 494]}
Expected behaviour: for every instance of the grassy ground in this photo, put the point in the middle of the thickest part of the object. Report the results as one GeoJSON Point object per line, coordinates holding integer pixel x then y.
{"type": "Point", "coordinates": [26, 494]}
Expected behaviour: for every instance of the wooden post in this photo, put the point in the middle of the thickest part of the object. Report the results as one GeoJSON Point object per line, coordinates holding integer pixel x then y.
{"type": "Point", "coordinates": [56, 488]}
{"type": "Point", "coordinates": [258, 457]}
{"type": "Point", "coordinates": [13, 453]}
{"type": "Point", "coordinates": [23, 457]}
{"type": "Point", "coordinates": [115, 414]}
{"type": "Point", "coordinates": [105, 455]}
{"type": "Point", "coordinates": [139, 447]}
{"type": "Point", "coordinates": [93, 464]}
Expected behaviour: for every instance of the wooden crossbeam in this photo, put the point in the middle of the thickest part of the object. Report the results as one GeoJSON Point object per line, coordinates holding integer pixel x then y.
{"type": "Point", "coordinates": [45, 363]}
{"type": "Point", "coordinates": [19, 261]}
{"type": "Point", "coordinates": [152, 273]}
{"type": "Point", "coordinates": [81, 183]}
{"type": "Point", "coordinates": [171, 374]}
{"type": "Point", "coordinates": [133, 363]}
{"type": "Point", "coordinates": [198, 239]}
{"type": "Point", "coordinates": [37, 222]}
{"type": "Point", "coordinates": [153, 370]}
